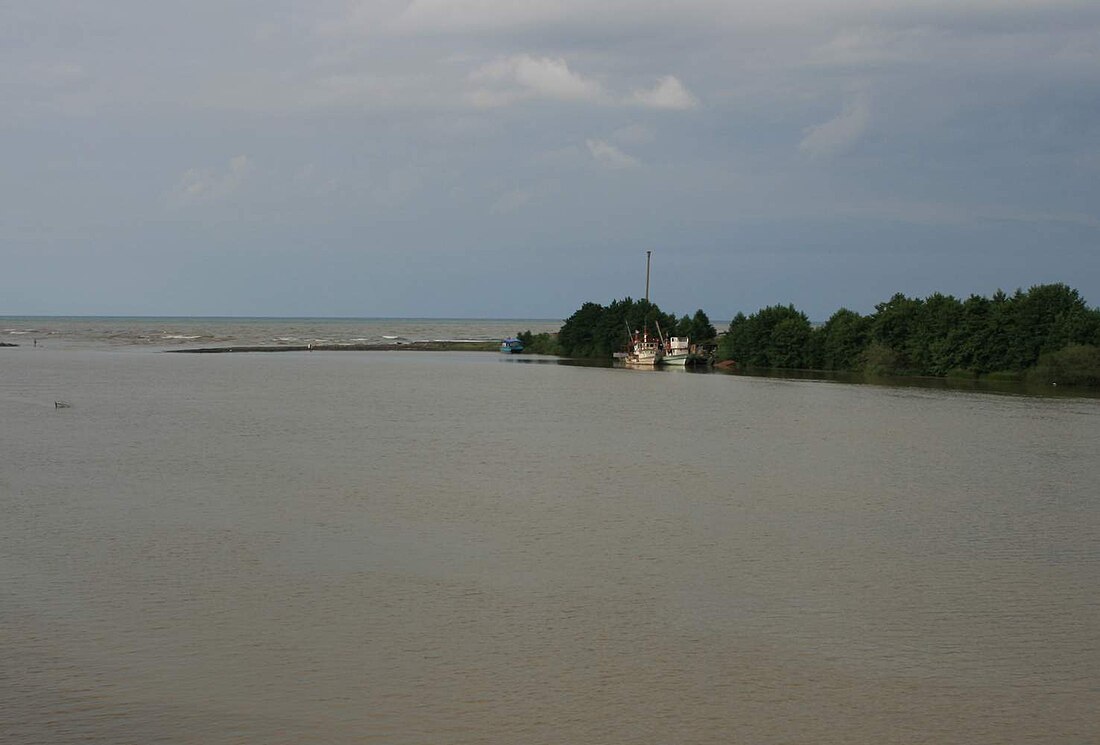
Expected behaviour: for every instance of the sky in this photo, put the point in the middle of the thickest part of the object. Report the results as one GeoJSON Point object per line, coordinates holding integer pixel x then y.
{"type": "Point", "coordinates": [504, 159]}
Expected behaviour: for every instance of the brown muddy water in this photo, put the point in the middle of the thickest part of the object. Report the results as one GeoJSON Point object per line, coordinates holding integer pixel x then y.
{"type": "Point", "coordinates": [458, 548]}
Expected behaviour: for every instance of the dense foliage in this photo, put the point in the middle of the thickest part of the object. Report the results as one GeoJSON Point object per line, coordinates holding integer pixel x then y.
{"type": "Point", "coordinates": [595, 330]}
{"type": "Point", "coordinates": [698, 328]}
{"type": "Point", "coordinates": [1048, 329]}
{"type": "Point", "coordinates": [600, 331]}
{"type": "Point", "coordinates": [1078, 364]}
{"type": "Point", "coordinates": [543, 343]}
{"type": "Point", "coordinates": [777, 336]}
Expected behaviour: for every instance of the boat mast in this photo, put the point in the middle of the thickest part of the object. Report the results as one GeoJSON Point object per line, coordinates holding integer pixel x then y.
{"type": "Point", "coordinates": [647, 253]}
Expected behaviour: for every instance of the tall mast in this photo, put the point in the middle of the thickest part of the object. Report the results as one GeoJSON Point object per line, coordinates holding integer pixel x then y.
{"type": "Point", "coordinates": [647, 253]}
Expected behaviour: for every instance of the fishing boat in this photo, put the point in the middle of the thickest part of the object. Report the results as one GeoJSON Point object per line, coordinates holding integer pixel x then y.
{"type": "Point", "coordinates": [511, 346]}
{"type": "Point", "coordinates": [678, 351]}
{"type": "Point", "coordinates": [644, 351]}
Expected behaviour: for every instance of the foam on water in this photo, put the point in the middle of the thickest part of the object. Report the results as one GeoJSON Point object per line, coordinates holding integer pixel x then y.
{"type": "Point", "coordinates": [173, 332]}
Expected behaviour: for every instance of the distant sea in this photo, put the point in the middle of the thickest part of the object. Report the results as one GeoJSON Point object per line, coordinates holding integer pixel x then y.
{"type": "Point", "coordinates": [200, 331]}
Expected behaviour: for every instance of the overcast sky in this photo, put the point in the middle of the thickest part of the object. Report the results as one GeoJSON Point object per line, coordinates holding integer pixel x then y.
{"type": "Point", "coordinates": [516, 158]}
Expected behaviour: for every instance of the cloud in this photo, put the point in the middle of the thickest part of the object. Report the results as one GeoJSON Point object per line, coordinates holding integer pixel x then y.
{"type": "Point", "coordinates": [209, 185]}
{"type": "Point", "coordinates": [508, 80]}
{"type": "Point", "coordinates": [522, 77]}
{"type": "Point", "coordinates": [610, 156]}
{"type": "Point", "coordinates": [669, 93]}
{"type": "Point", "coordinates": [840, 133]}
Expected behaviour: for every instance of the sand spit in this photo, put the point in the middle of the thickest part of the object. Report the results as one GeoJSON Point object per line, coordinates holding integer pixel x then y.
{"type": "Point", "coordinates": [417, 346]}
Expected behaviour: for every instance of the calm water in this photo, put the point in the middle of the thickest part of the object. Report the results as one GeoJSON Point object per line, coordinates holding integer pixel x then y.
{"type": "Point", "coordinates": [465, 548]}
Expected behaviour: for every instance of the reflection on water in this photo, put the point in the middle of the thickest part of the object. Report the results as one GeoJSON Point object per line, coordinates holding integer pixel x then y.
{"type": "Point", "coordinates": [1002, 387]}
{"type": "Point", "coordinates": [460, 548]}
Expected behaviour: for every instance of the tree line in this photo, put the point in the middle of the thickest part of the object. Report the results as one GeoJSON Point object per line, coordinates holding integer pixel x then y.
{"type": "Point", "coordinates": [1047, 332]}
{"type": "Point", "coordinates": [598, 331]}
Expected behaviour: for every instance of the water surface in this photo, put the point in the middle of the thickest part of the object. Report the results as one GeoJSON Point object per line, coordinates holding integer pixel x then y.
{"type": "Point", "coordinates": [144, 332]}
{"type": "Point", "coordinates": [461, 548]}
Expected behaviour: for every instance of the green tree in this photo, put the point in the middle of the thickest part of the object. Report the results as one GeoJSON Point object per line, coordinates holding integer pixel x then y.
{"type": "Point", "coordinates": [879, 359]}
{"type": "Point", "coordinates": [1053, 317]}
{"type": "Point", "coordinates": [994, 352]}
{"type": "Point", "coordinates": [698, 328]}
{"type": "Point", "coordinates": [775, 336]}
{"type": "Point", "coordinates": [1048, 327]}
{"type": "Point", "coordinates": [971, 334]}
{"type": "Point", "coordinates": [893, 324]}
{"type": "Point", "coordinates": [598, 331]}
{"type": "Point", "coordinates": [933, 348]}
{"type": "Point", "coordinates": [635, 315]}
{"type": "Point", "coordinates": [578, 335]}
{"type": "Point", "coordinates": [734, 345]}
{"type": "Point", "coordinates": [842, 340]}
{"type": "Point", "coordinates": [542, 343]}
{"type": "Point", "coordinates": [788, 341]}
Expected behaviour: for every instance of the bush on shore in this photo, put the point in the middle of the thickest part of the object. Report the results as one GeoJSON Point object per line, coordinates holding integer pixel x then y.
{"type": "Point", "coordinates": [543, 343]}
{"type": "Point", "coordinates": [1078, 364]}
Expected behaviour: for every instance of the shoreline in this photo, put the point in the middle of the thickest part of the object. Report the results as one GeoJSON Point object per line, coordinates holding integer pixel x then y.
{"type": "Point", "coordinates": [416, 346]}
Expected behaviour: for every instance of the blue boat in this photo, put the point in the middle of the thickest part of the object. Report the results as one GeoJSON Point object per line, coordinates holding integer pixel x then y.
{"type": "Point", "coordinates": [511, 346]}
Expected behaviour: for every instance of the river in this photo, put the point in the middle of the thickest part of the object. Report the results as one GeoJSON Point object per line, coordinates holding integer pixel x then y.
{"type": "Point", "coordinates": [384, 547]}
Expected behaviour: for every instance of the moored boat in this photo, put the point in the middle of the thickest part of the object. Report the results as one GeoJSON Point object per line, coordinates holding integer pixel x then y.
{"type": "Point", "coordinates": [678, 351]}
{"type": "Point", "coordinates": [644, 351]}
{"type": "Point", "coordinates": [511, 346]}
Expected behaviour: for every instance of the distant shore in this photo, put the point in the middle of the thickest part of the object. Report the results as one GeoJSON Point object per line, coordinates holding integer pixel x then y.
{"type": "Point", "coordinates": [414, 346]}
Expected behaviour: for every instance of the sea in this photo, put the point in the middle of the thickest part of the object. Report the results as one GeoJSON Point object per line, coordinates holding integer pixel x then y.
{"type": "Point", "coordinates": [462, 547]}
{"type": "Point", "coordinates": [132, 333]}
